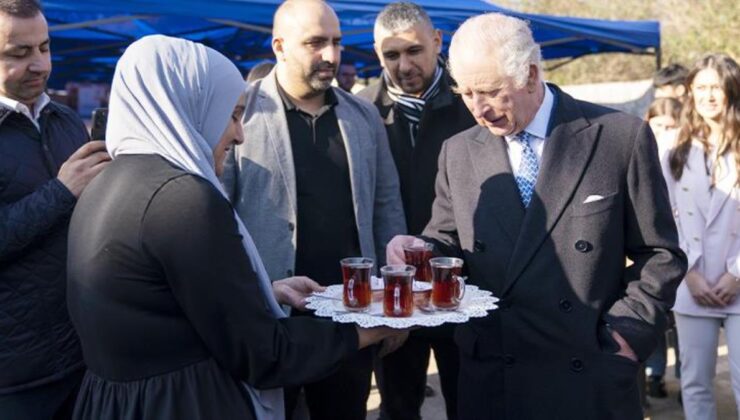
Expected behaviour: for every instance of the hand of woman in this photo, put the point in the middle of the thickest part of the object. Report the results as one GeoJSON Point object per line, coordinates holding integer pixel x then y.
{"type": "Point", "coordinates": [727, 288]}
{"type": "Point", "coordinates": [700, 290]}
{"type": "Point", "coordinates": [293, 291]}
{"type": "Point", "coordinates": [392, 338]}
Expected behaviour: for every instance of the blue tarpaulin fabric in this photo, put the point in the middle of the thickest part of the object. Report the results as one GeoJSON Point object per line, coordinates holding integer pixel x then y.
{"type": "Point", "coordinates": [88, 36]}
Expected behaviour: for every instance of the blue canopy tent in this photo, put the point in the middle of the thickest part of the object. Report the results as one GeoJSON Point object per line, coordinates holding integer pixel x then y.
{"type": "Point", "coordinates": [88, 36]}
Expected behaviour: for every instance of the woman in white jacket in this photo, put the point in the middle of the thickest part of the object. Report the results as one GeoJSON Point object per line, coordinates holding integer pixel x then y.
{"type": "Point", "coordinates": [701, 161]}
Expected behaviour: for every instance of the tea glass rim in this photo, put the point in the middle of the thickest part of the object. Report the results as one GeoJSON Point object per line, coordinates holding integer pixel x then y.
{"type": "Point", "coordinates": [425, 246]}
{"type": "Point", "coordinates": [360, 262]}
{"type": "Point", "coordinates": [446, 262]}
{"type": "Point", "coordinates": [406, 269]}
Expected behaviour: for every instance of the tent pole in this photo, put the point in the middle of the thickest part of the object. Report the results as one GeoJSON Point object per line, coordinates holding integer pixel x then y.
{"type": "Point", "coordinates": [242, 25]}
{"type": "Point", "coordinates": [96, 22]}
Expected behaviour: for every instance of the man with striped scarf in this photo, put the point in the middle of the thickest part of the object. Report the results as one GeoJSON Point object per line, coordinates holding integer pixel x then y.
{"type": "Point", "coordinates": [420, 112]}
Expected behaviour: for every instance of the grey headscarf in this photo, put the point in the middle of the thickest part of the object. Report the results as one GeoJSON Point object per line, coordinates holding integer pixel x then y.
{"type": "Point", "coordinates": [173, 98]}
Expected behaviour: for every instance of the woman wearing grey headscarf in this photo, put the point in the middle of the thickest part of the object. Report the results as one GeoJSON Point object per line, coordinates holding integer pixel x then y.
{"type": "Point", "coordinates": [175, 312]}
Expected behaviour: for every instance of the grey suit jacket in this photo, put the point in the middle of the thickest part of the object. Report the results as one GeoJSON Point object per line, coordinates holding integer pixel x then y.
{"type": "Point", "coordinates": [559, 266]}
{"type": "Point", "coordinates": [259, 177]}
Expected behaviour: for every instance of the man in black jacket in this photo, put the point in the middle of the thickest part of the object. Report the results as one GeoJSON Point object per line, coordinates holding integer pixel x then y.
{"type": "Point", "coordinates": [45, 163]}
{"type": "Point", "coordinates": [420, 111]}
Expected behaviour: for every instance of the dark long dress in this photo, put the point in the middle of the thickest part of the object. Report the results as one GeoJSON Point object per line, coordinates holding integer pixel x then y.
{"type": "Point", "coordinates": [168, 307]}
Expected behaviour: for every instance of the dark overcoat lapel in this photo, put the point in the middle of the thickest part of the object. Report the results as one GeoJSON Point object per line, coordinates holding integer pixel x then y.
{"type": "Point", "coordinates": [566, 156]}
{"type": "Point", "coordinates": [491, 161]}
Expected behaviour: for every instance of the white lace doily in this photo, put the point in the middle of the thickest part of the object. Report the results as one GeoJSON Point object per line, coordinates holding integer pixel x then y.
{"type": "Point", "coordinates": [475, 304]}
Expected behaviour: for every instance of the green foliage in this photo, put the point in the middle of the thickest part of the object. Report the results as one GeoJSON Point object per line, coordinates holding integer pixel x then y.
{"type": "Point", "coordinates": [689, 29]}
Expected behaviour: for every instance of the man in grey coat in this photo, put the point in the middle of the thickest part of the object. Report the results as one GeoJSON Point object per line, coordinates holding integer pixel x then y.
{"type": "Point", "coordinates": [545, 200]}
{"type": "Point", "coordinates": [315, 181]}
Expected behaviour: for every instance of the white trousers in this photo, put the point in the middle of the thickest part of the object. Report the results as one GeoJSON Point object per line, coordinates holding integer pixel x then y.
{"type": "Point", "coordinates": [698, 340]}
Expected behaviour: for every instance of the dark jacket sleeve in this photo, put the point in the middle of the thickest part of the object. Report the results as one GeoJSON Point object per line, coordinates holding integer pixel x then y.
{"type": "Point", "coordinates": [190, 230]}
{"type": "Point", "coordinates": [651, 242]}
{"type": "Point", "coordinates": [442, 227]}
{"type": "Point", "coordinates": [33, 216]}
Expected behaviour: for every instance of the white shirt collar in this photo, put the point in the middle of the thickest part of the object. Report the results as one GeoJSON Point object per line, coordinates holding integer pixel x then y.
{"type": "Point", "coordinates": [538, 126]}
{"type": "Point", "coordinates": [20, 107]}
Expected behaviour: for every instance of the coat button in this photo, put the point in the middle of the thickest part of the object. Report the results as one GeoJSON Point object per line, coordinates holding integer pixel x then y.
{"type": "Point", "coordinates": [289, 273]}
{"type": "Point", "coordinates": [685, 189]}
{"type": "Point", "coordinates": [291, 226]}
{"type": "Point", "coordinates": [690, 213]}
{"type": "Point", "coordinates": [565, 305]}
{"type": "Point", "coordinates": [479, 246]}
{"type": "Point", "coordinates": [583, 246]}
{"type": "Point", "coordinates": [696, 238]}
{"type": "Point", "coordinates": [509, 360]}
{"type": "Point", "coordinates": [576, 365]}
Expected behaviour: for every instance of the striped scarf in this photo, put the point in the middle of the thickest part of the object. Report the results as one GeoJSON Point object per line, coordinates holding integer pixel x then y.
{"type": "Point", "coordinates": [412, 106]}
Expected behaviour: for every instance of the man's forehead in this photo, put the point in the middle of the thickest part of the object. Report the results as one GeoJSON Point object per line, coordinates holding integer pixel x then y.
{"type": "Point", "coordinates": [417, 34]}
{"type": "Point", "coordinates": [320, 32]}
{"type": "Point", "coordinates": [313, 25]}
{"type": "Point", "coordinates": [480, 77]}
{"type": "Point", "coordinates": [16, 31]}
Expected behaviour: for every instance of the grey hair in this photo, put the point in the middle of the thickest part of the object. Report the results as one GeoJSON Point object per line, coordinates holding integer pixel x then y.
{"type": "Point", "coordinates": [401, 16]}
{"type": "Point", "coordinates": [23, 9]}
{"type": "Point", "coordinates": [502, 38]}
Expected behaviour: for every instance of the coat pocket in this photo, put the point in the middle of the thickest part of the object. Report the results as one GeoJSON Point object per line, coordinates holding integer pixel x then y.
{"type": "Point", "coordinates": [581, 209]}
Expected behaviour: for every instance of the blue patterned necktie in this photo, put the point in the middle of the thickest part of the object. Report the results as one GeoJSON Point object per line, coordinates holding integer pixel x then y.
{"type": "Point", "coordinates": [528, 167]}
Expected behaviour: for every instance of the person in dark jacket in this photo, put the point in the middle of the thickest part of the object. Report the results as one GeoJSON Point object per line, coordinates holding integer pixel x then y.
{"type": "Point", "coordinates": [176, 314]}
{"type": "Point", "coordinates": [545, 200]}
{"type": "Point", "coordinates": [420, 111]}
{"type": "Point", "coordinates": [45, 163]}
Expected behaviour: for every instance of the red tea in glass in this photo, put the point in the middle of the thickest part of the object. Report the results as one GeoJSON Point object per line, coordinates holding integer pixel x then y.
{"type": "Point", "coordinates": [418, 255]}
{"type": "Point", "coordinates": [357, 294]}
{"type": "Point", "coordinates": [423, 295]}
{"type": "Point", "coordinates": [398, 296]}
{"type": "Point", "coordinates": [448, 287]}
